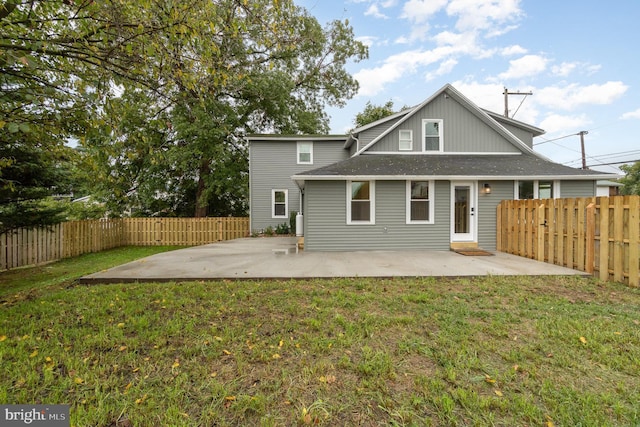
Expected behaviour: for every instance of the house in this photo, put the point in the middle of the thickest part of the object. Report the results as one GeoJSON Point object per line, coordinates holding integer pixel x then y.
{"type": "Point", "coordinates": [429, 177]}
{"type": "Point", "coordinates": [608, 188]}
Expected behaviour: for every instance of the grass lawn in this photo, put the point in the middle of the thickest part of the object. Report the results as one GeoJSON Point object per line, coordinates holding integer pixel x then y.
{"type": "Point", "coordinates": [512, 351]}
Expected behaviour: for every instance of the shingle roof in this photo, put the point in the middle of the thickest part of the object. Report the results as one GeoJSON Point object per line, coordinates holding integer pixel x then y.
{"type": "Point", "coordinates": [446, 165]}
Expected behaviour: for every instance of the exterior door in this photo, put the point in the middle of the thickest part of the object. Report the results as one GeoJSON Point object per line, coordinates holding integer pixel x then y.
{"type": "Point", "coordinates": [463, 212]}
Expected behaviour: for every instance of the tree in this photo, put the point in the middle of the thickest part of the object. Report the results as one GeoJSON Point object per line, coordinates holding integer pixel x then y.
{"type": "Point", "coordinates": [266, 66]}
{"type": "Point", "coordinates": [631, 180]}
{"type": "Point", "coordinates": [57, 59]}
{"type": "Point", "coordinates": [372, 113]}
{"type": "Point", "coordinates": [219, 69]}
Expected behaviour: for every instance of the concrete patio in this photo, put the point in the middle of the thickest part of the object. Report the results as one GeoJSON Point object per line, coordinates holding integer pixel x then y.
{"type": "Point", "coordinates": [278, 258]}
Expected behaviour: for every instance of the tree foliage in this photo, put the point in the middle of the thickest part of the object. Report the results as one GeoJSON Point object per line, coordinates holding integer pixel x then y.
{"type": "Point", "coordinates": [631, 180]}
{"type": "Point", "coordinates": [160, 93]}
{"type": "Point", "coordinates": [372, 113]}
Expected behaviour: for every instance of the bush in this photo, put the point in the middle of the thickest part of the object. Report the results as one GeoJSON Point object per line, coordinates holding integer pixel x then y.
{"type": "Point", "coordinates": [268, 231]}
{"type": "Point", "coordinates": [282, 228]}
{"type": "Point", "coordinates": [292, 221]}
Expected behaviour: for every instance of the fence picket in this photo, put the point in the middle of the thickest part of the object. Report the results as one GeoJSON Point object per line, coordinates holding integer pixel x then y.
{"type": "Point", "coordinates": [23, 247]}
{"type": "Point", "coordinates": [600, 235]}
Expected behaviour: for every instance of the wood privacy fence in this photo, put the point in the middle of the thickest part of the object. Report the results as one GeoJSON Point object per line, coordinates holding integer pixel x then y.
{"type": "Point", "coordinates": [39, 245]}
{"type": "Point", "coordinates": [598, 235]}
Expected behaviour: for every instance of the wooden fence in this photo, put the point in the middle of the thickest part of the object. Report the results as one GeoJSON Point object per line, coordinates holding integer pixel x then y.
{"type": "Point", "coordinates": [598, 235]}
{"type": "Point", "coordinates": [40, 245]}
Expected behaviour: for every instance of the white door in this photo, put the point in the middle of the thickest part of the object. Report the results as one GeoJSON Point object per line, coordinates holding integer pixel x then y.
{"type": "Point", "coordinates": [464, 217]}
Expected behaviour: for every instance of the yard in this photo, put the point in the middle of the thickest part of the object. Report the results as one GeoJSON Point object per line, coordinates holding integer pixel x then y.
{"type": "Point", "coordinates": [513, 351]}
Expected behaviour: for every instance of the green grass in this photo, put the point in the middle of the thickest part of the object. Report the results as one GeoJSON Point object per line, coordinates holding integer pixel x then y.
{"type": "Point", "coordinates": [511, 351]}
{"type": "Point", "coordinates": [68, 270]}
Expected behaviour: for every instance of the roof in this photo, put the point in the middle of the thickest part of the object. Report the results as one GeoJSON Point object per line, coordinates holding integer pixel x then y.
{"type": "Point", "coordinates": [447, 166]}
{"type": "Point", "coordinates": [294, 138]}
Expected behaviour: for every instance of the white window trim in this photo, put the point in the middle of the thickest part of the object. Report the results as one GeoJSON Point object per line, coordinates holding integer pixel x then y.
{"type": "Point", "coordinates": [372, 204]}
{"type": "Point", "coordinates": [440, 135]}
{"type": "Point", "coordinates": [536, 188]}
{"type": "Point", "coordinates": [400, 139]}
{"type": "Point", "coordinates": [273, 203]}
{"type": "Point", "coordinates": [408, 203]}
{"type": "Point", "coordinates": [300, 143]}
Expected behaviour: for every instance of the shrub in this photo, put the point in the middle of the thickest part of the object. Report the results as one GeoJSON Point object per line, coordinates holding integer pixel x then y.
{"type": "Point", "coordinates": [268, 231]}
{"type": "Point", "coordinates": [282, 228]}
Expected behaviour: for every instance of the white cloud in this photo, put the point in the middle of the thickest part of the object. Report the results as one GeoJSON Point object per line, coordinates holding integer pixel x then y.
{"type": "Point", "coordinates": [395, 67]}
{"type": "Point", "coordinates": [373, 80]}
{"type": "Point", "coordinates": [560, 124]}
{"type": "Point", "coordinates": [445, 67]}
{"type": "Point", "coordinates": [474, 15]}
{"type": "Point", "coordinates": [528, 65]}
{"type": "Point", "coordinates": [513, 50]}
{"type": "Point", "coordinates": [420, 11]}
{"type": "Point", "coordinates": [367, 40]}
{"type": "Point", "coordinates": [573, 95]}
{"type": "Point", "coordinates": [566, 68]}
{"type": "Point", "coordinates": [375, 12]}
{"type": "Point", "coordinates": [631, 115]}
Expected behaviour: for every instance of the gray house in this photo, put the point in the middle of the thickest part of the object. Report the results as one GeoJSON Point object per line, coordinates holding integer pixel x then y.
{"type": "Point", "coordinates": [429, 177]}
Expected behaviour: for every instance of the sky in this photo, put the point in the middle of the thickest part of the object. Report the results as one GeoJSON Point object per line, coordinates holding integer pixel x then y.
{"type": "Point", "coordinates": [579, 58]}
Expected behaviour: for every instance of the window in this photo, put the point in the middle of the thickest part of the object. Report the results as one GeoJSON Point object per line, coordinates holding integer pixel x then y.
{"type": "Point", "coordinates": [525, 190]}
{"type": "Point", "coordinates": [432, 135]}
{"type": "Point", "coordinates": [279, 203]}
{"type": "Point", "coordinates": [305, 153]}
{"type": "Point", "coordinates": [405, 140]}
{"type": "Point", "coordinates": [360, 202]}
{"type": "Point", "coordinates": [545, 190]}
{"type": "Point", "coordinates": [537, 189]}
{"type": "Point", "coordinates": [419, 206]}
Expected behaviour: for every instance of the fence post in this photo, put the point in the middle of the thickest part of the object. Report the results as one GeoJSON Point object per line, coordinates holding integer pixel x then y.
{"type": "Point", "coordinates": [634, 241]}
{"type": "Point", "coordinates": [604, 238]}
{"type": "Point", "coordinates": [499, 232]}
{"type": "Point", "coordinates": [540, 227]}
{"type": "Point", "coordinates": [590, 237]}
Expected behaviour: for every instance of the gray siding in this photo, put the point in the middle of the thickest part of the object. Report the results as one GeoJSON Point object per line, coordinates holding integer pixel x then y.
{"type": "Point", "coordinates": [272, 164]}
{"type": "Point", "coordinates": [487, 211]}
{"type": "Point", "coordinates": [521, 134]}
{"type": "Point", "coordinates": [463, 132]}
{"type": "Point", "coordinates": [570, 189]}
{"type": "Point", "coordinates": [326, 226]}
{"type": "Point", "coordinates": [369, 135]}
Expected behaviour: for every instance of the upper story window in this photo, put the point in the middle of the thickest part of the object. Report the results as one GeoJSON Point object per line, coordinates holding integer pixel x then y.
{"type": "Point", "coordinates": [431, 135]}
{"type": "Point", "coordinates": [305, 153]}
{"type": "Point", "coordinates": [361, 202]}
{"type": "Point", "coordinates": [405, 140]}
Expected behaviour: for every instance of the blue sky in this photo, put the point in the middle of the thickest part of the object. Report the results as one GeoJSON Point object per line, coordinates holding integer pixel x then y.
{"type": "Point", "coordinates": [578, 57]}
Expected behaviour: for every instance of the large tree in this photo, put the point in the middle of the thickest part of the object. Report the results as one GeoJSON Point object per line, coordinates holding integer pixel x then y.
{"type": "Point", "coordinates": [247, 67]}
{"type": "Point", "coordinates": [218, 69]}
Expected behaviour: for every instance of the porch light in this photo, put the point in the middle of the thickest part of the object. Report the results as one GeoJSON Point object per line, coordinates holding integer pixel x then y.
{"type": "Point", "coordinates": [486, 188]}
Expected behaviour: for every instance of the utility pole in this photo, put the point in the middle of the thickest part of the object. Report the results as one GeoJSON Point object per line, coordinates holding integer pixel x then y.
{"type": "Point", "coordinates": [582, 133]}
{"type": "Point", "coordinates": [506, 99]}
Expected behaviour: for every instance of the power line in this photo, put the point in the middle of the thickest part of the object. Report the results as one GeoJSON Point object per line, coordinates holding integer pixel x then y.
{"type": "Point", "coordinates": [556, 139]}
{"type": "Point", "coordinates": [615, 163]}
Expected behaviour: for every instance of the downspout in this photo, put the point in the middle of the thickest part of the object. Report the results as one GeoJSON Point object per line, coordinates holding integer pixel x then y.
{"type": "Point", "coordinates": [356, 140]}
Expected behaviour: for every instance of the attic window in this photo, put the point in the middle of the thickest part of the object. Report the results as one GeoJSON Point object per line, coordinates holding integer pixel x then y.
{"type": "Point", "coordinates": [431, 135]}
{"type": "Point", "coordinates": [405, 138]}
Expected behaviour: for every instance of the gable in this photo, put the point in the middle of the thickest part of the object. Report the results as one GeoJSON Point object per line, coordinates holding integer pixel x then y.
{"type": "Point", "coordinates": [465, 128]}
{"type": "Point", "coordinates": [463, 132]}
